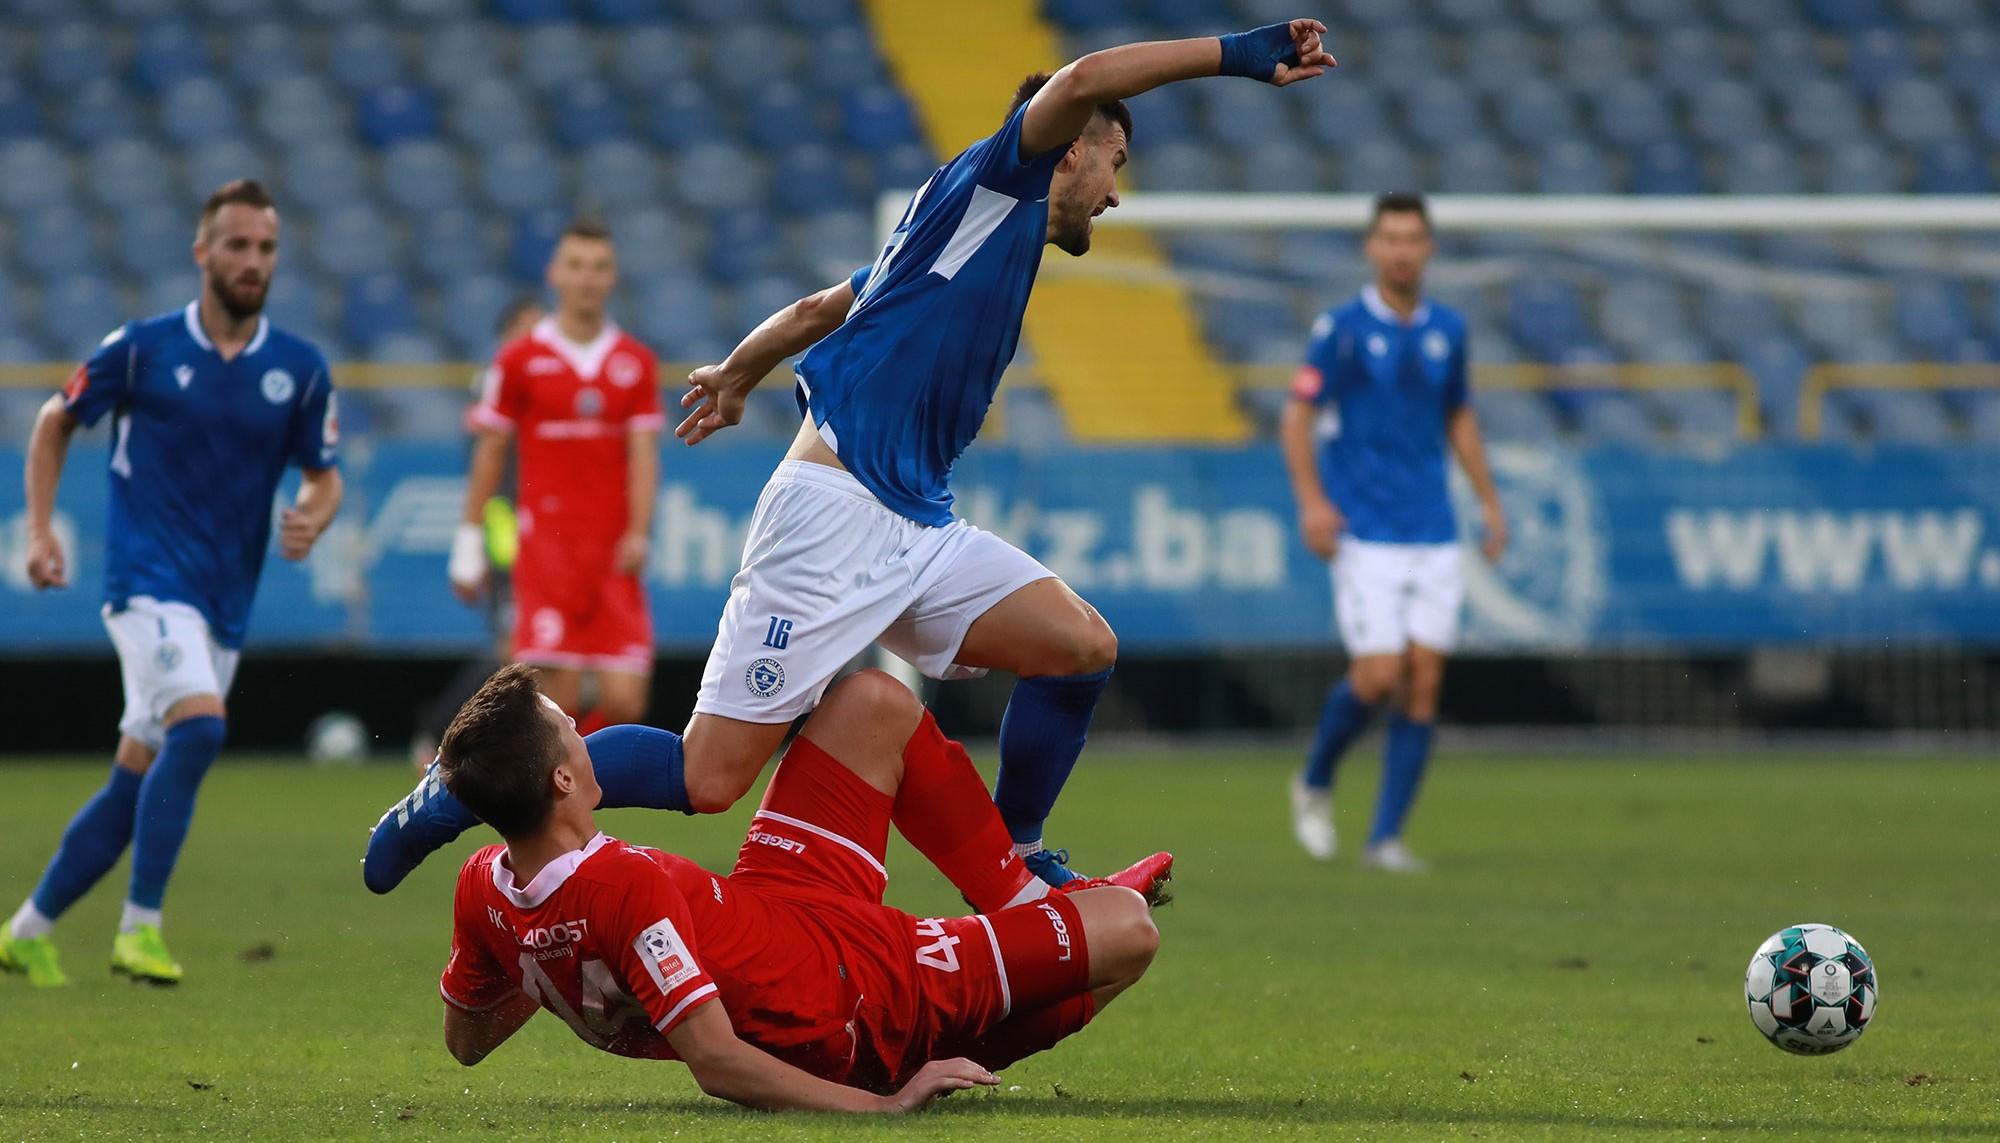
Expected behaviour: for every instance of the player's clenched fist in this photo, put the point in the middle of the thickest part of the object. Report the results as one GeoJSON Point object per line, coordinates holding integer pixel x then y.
{"type": "Point", "coordinates": [1277, 54]}
{"type": "Point", "coordinates": [938, 1079]}
{"type": "Point", "coordinates": [46, 566]}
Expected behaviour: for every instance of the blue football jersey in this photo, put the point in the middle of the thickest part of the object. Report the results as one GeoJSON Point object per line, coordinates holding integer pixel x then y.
{"type": "Point", "coordinates": [901, 388]}
{"type": "Point", "coordinates": [198, 445]}
{"type": "Point", "coordinates": [1385, 388]}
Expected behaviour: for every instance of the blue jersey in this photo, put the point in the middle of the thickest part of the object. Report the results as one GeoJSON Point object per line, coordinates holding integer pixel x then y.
{"type": "Point", "coordinates": [1385, 388]}
{"type": "Point", "coordinates": [198, 446]}
{"type": "Point", "coordinates": [901, 388]}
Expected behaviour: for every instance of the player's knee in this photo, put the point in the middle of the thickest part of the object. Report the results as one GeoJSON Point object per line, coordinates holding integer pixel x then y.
{"type": "Point", "coordinates": [1126, 934]}
{"type": "Point", "coordinates": [715, 783]}
{"type": "Point", "coordinates": [1089, 647]}
{"type": "Point", "coordinates": [1374, 680]}
{"type": "Point", "coordinates": [867, 696]}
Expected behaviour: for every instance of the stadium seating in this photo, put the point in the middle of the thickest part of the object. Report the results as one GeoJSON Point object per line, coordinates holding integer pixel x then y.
{"type": "Point", "coordinates": [425, 152]}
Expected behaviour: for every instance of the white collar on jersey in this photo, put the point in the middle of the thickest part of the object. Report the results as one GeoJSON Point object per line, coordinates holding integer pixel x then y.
{"type": "Point", "coordinates": [549, 880]}
{"type": "Point", "coordinates": [1380, 310]}
{"type": "Point", "coordinates": [586, 359]}
{"type": "Point", "coordinates": [200, 335]}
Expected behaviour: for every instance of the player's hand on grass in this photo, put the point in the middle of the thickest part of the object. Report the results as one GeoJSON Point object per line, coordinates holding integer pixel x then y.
{"type": "Point", "coordinates": [630, 555]}
{"type": "Point", "coordinates": [46, 565]}
{"type": "Point", "coordinates": [936, 1080]}
{"type": "Point", "coordinates": [716, 398]}
{"type": "Point", "coordinates": [1494, 545]}
{"type": "Point", "coordinates": [1320, 524]}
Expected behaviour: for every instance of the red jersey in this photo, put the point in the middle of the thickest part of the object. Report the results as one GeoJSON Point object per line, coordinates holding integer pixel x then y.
{"type": "Point", "coordinates": [623, 942]}
{"type": "Point", "coordinates": [572, 409]}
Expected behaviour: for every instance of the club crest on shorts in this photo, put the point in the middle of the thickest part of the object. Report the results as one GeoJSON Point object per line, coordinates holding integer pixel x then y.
{"type": "Point", "coordinates": [765, 678]}
{"type": "Point", "coordinates": [168, 656]}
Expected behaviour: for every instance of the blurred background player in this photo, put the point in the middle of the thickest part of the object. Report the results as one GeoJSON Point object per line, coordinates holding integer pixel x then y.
{"type": "Point", "coordinates": [581, 398]}
{"type": "Point", "coordinates": [502, 538]}
{"type": "Point", "coordinates": [210, 405]}
{"type": "Point", "coordinates": [786, 983]}
{"type": "Point", "coordinates": [905, 358]}
{"type": "Point", "coordinates": [1382, 391]}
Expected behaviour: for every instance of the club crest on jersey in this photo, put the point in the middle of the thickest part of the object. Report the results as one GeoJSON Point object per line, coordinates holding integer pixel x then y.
{"type": "Point", "coordinates": [184, 375]}
{"type": "Point", "coordinates": [1437, 346]}
{"type": "Point", "coordinates": [765, 678]}
{"type": "Point", "coordinates": [277, 386]}
{"type": "Point", "coordinates": [168, 656]}
{"type": "Point", "coordinates": [1377, 345]}
{"type": "Point", "coordinates": [623, 370]}
{"type": "Point", "coordinates": [589, 402]}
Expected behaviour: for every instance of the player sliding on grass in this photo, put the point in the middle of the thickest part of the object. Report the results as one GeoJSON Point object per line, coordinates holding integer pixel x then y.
{"type": "Point", "coordinates": [786, 983]}
{"type": "Point", "coordinates": [853, 541]}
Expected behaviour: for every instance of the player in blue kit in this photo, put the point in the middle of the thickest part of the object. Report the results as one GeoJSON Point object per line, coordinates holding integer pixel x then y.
{"type": "Point", "coordinates": [209, 406]}
{"type": "Point", "coordinates": [854, 541]}
{"type": "Point", "coordinates": [1381, 393]}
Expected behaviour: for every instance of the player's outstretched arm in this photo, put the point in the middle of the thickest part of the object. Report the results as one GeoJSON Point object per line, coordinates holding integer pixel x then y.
{"type": "Point", "coordinates": [471, 1036]}
{"type": "Point", "coordinates": [728, 1068]}
{"type": "Point", "coordinates": [1277, 54]}
{"type": "Point", "coordinates": [717, 391]}
{"type": "Point", "coordinates": [48, 447]}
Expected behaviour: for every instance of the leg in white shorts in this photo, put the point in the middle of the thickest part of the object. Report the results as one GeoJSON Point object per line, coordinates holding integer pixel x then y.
{"type": "Point", "coordinates": [829, 570]}
{"type": "Point", "coordinates": [1388, 596]}
{"type": "Point", "coordinates": [165, 654]}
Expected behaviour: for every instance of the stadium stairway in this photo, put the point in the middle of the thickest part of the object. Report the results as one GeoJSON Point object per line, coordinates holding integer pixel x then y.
{"type": "Point", "coordinates": [1115, 340]}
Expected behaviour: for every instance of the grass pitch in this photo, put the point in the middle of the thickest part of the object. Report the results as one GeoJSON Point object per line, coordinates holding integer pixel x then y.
{"type": "Point", "coordinates": [1571, 968]}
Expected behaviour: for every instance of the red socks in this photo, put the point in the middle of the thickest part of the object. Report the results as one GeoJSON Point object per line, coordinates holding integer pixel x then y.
{"type": "Point", "coordinates": [943, 809]}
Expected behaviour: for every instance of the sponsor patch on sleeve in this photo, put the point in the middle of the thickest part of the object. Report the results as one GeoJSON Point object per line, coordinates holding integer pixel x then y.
{"type": "Point", "coordinates": [666, 956]}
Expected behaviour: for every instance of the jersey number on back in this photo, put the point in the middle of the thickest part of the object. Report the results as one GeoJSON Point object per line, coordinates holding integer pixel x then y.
{"type": "Point", "coordinates": [941, 954]}
{"type": "Point", "coordinates": [607, 1007]}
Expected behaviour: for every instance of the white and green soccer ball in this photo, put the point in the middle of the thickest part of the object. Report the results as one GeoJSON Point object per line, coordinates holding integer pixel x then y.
{"type": "Point", "coordinates": [1811, 989]}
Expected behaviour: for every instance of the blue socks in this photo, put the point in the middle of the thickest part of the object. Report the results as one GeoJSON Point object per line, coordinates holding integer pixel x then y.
{"type": "Point", "coordinates": [1341, 721]}
{"type": "Point", "coordinates": [635, 765]}
{"type": "Point", "coordinates": [1404, 755]}
{"type": "Point", "coordinates": [166, 804]}
{"type": "Point", "coordinates": [91, 844]}
{"type": "Point", "coordinates": [1041, 737]}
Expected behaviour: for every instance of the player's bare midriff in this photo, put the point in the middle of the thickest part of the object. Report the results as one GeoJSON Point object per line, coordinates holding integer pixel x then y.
{"type": "Point", "coordinates": [808, 446]}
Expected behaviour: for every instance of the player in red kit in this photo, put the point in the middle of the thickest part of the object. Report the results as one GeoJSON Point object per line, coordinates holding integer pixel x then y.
{"type": "Point", "coordinates": [786, 983]}
{"type": "Point", "coordinates": [580, 398]}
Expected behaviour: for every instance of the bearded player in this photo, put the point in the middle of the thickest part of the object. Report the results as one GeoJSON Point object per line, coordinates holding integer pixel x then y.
{"type": "Point", "coordinates": [854, 541]}
{"type": "Point", "coordinates": [785, 983]}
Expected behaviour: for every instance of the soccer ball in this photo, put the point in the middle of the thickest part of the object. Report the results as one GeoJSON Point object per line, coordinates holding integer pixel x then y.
{"type": "Point", "coordinates": [336, 737]}
{"type": "Point", "coordinates": [1811, 989]}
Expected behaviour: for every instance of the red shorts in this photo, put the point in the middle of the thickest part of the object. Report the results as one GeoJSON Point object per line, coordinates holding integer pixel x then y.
{"type": "Point", "coordinates": [601, 623]}
{"type": "Point", "coordinates": [823, 830]}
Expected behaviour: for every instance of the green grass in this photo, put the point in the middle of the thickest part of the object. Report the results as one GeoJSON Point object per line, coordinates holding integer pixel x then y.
{"type": "Point", "coordinates": [1570, 969]}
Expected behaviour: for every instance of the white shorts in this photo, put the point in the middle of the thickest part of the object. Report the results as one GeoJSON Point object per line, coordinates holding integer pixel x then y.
{"type": "Point", "coordinates": [165, 654]}
{"type": "Point", "coordinates": [1388, 596]}
{"type": "Point", "coordinates": [828, 570]}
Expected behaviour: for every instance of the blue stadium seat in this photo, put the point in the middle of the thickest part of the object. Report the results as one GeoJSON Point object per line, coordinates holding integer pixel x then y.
{"type": "Point", "coordinates": [555, 56]}
{"type": "Point", "coordinates": [777, 49]}
{"type": "Point", "coordinates": [1437, 112]}
{"type": "Point", "coordinates": [353, 241]}
{"type": "Point", "coordinates": [1933, 316]}
{"type": "Point", "coordinates": [587, 114]}
{"type": "Point", "coordinates": [840, 241]}
{"type": "Point", "coordinates": [1090, 13]}
{"type": "Point", "coordinates": [532, 12]}
{"type": "Point", "coordinates": [1899, 417]}
{"type": "Point", "coordinates": [1379, 166]}
{"type": "Point", "coordinates": [1789, 55]}
{"type": "Point", "coordinates": [55, 241]}
{"type": "Point", "coordinates": [299, 109]}
{"type": "Point", "coordinates": [1824, 112]}
{"type": "Point", "coordinates": [679, 315]}
{"type": "Point", "coordinates": [1545, 315]}
{"type": "Point", "coordinates": [324, 176]}
{"type": "Point", "coordinates": [1972, 57]}
{"type": "Point", "coordinates": [645, 59]}
{"type": "Point", "coordinates": [1878, 57]}
{"type": "Point", "coordinates": [652, 241]}
{"type": "Point", "coordinates": [364, 56]}
{"type": "Point", "coordinates": [617, 176]}
{"type": "Point", "coordinates": [98, 111]}
{"type": "Point", "coordinates": [1955, 167]}
{"type": "Point", "coordinates": [1163, 115]}
{"type": "Point", "coordinates": [1779, 365]}
{"type": "Point", "coordinates": [1688, 59]}
{"type": "Point", "coordinates": [743, 244]}
{"type": "Point", "coordinates": [1982, 418]}
{"type": "Point", "coordinates": [1189, 17]}
{"type": "Point", "coordinates": [623, 13]}
{"type": "Point", "coordinates": [410, 347]}
{"type": "Point", "coordinates": [1757, 15]}
{"type": "Point", "coordinates": [20, 115]}
{"type": "Point", "coordinates": [154, 240]}
{"type": "Point", "coordinates": [1516, 417]}
{"type": "Point", "coordinates": [1761, 167]}
{"type": "Point", "coordinates": [459, 54]}
{"type": "Point", "coordinates": [263, 54]}
{"type": "Point", "coordinates": [20, 349]}
{"type": "Point", "coordinates": [1536, 113]}
{"type": "Point", "coordinates": [1667, 167]}
{"type": "Point", "coordinates": [1635, 311]}
{"type": "Point", "coordinates": [74, 54]}
{"type": "Point", "coordinates": [422, 176]}
{"type": "Point", "coordinates": [1572, 166]}
{"type": "Point", "coordinates": [1505, 53]}
{"type": "Point", "coordinates": [1655, 15]}
{"type": "Point", "coordinates": [454, 243]}
{"type": "Point", "coordinates": [1607, 416]}
{"type": "Point", "coordinates": [334, 11]}
{"type": "Point", "coordinates": [416, 414]}
{"type": "Point", "coordinates": [1727, 112]}
{"type": "Point", "coordinates": [1400, 58]}
{"type": "Point", "coordinates": [1477, 166]}
{"type": "Point", "coordinates": [78, 311]}
{"type": "Point", "coordinates": [877, 118]}
{"type": "Point", "coordinates": [523, 176]}
{"type": "Point", "coordinates": [490, 112]}
{"type": "Point", "coordinates": [719, 176]}
{"type": "Point", "coordinates": [844, 58]}
{"type": "Point", "coordinates": [812, 177]}
{"type": "Point", "coordinates": [172, 290]}
{"type": "Point", "coordinates": [1919, 112]}
{"type": "Point", "coordinates": [1841, 327]}
{"type": "Point", "coordinates": [132, 11]}
{"type": "Point", "coordinates": [1282, 166]}
{"type": "Point", "coordinates": [1243, 254]}
{"type": "Point", "coordinates": [534, 238]}
{"type": "Point", "coordinates": [1592, 56]}
{"type": "Point", "coordinates": [759, 298]}
{"type": "Point", "coordinates": [168, 52]}
{"type": "Point", "coordinates": [783, 114]}
{"type": "Point", "coordinates": [1224, 108]}
{"type": "Point", "coordinates": [33, 174]}
{"type": "Point", "coordinates": [1562, 13]}
{"type": "Point", "coordinates": [1633, 113]}
{"type": "Point", "coordinates": [212, 164]}
{"type": "Point", "coordinates": [1987, 113]}
{"type": "Point", "coordinates": [1860, 167]}
{"type": "Point", "coordinates": [1737, 321]}
{"type": "Point", "coordinates": [1848, 15]}
{"type": "Point", "coordinates": [1697, 415]}
{"type": "Point", "coordinates": [197, 111]}
{"type": "Point", "coordinates": [903, 168]}
{"type": "Point", "coordinates": [1340, 115]}
{"type": "Point", "coordinates": [472, 306]}
{"type": "Point", "coordinates": [1474, 15]}
{"type": "Point", "coordinates": [685, 114]}
{"type": "Point", "coordinates": [397, 113]}
{"type": "Point", "coordinates": [374, 306]}
{"type": "Point", "coordinates": [227, 10]}
{"type": "Point", "coordinates": [1258, 329]}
